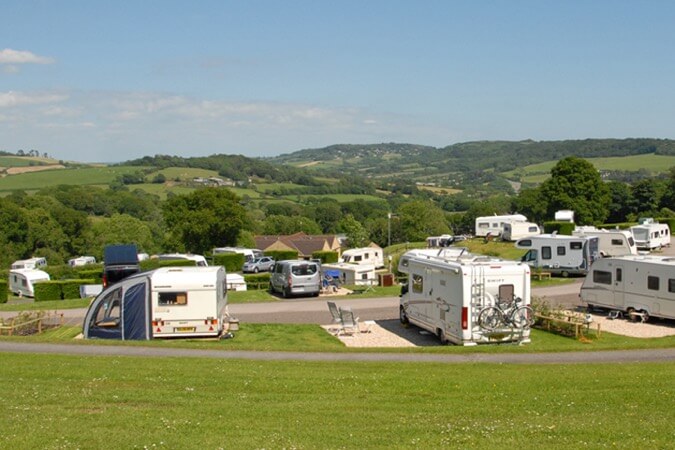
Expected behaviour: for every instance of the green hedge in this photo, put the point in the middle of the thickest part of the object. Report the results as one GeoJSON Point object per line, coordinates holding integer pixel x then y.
{"type": "Point", "coordinates": [257, 281]}
{"type": "Point", "coordinates": [326, 257]}
{"type": "Point", "coordinates": [565, 228]}
{"type": "Point", "coordinates": [233, 262]}
{"type": "Point", "coordinates": [282, 255]}
{"type": "Point", "coordinates": [65, 272]}
{"type": "Point", "coordinates": [4, 291]}
{"type": "Point", "coordinates": [91, 274]}
{"type": "Point", "coordinates": [59, 289]}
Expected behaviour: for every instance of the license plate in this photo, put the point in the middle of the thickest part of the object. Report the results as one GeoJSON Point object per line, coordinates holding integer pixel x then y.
{"type": "Point", "coordinates": [184, 330]}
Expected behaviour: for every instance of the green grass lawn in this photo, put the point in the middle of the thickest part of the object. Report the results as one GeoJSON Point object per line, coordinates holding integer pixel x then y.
{"type": "Point", "coordinates": [55, 401]}
{"type": "Point", "coordinates": [79, 176]}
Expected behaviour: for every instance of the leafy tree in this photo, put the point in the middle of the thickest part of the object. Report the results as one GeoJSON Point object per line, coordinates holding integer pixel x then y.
{"type": "Point", "coordinates": [621, 202]}
{"type": "Point", "coordinates": [121, 229]}
{"type": "Point", "coordinates": [647, 196]}
{"type": "Point", "coordinates": [327, 214]}
{"type": "Point", "coordinates": [204, 219]}
{"type": "Point", "coordinates": [277, 224]}
{"type": "Point", "coordinates": [575, 184]}
{"type": "Point", "coordinates": [532, 204]}
{"type": "Point", "coordinates": [421, 219]}
{"type": "Point", "coordinates": [13, 232]}
{"type": "Point", "coordinates": [668, 199]}
{"type": "Point", "coordinates": [355, 231]}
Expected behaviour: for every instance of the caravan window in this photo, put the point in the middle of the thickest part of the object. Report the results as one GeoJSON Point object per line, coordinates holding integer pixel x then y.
{"type": "Point", "coordinates": [602, 277]}
{"type": "Point", "coordinates": [172, 298]}
{"type": "Point", "coordinates": [483, 225]}
{"type": "Point", "coordinates": [525, 243]}
{"type": "Point", "coordinates": [653, 283]}
{"type": "Point", "coordinates": [358, 258]}
{"type": "Point", "coordinates": [417, 284]}
{"type": "Point", "coordinates": [561, 250]}
{"type": "Point", "coordinates": [533, 229]}
{"type": "Point", "coordinates": [576, 245]}
{"type": "Point", "coordinates": [619, 274]}
{"type": "Point", "coordinates": [671, 285]}
{"type": "Point", "coordinates": [617, 242]}
{"type": "Point", "coordinates": [546, 253]}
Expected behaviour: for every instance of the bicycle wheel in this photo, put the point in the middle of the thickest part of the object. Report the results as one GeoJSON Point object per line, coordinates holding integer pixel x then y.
{"type": "Point", "coordinates": [490, 318]}
{"type": "Point", "coordinates": [522, 317]}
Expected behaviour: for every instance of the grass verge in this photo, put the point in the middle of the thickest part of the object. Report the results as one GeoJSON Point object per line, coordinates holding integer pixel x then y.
{"type": "Point", "coordinates": [60, 401]}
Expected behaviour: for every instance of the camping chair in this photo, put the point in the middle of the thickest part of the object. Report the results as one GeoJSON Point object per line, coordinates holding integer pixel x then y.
{"type": "Point", "coordinates": [348, 323]}
{"type": "Point", "coordinates": [334, 311]}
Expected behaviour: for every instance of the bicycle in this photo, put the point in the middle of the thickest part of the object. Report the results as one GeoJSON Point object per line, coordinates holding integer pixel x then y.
{"type": "Point", "coordinates": [506, 313]}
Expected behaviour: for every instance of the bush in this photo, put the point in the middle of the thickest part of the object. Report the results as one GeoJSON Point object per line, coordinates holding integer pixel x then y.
{"type": "Point", "coordinates": [95, 274]}
{"type": "Point", "coordinates": [282, 255]}
{"type": "Point", "coordinates": [565, 228]}
{"type": "Point", "coordinates": [233, 262]}
{"type": "Point", "coordinates": [257, 281]}
{"type": "Point", "coordinates": [326, 257]}
{"type": "Point", "coordinates": [71, 288]}
{"type": "Point", "coordinates": [47, 290]}
{"type": "Point", "coordinates": [4, 291]}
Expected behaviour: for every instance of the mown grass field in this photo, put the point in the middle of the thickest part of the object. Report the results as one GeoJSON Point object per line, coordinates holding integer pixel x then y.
{"type": "Point", "coordinates": [79, 176]}
{"type": "Point", "coordinates": [56, 401]}
{"type": "Point", "coordinates": [537, 173]}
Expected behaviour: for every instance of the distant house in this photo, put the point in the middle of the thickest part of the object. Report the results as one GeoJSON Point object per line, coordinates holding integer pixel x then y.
{"type": "Point", "coordinates": [304, 244]}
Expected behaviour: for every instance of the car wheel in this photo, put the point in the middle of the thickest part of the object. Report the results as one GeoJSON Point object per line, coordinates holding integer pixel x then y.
{"type": "Point", "coordinates": [286, 293]}
{"type": "Point", "coordinates": [255, 270]}
{"type": "Point", "coordinates": [442, 337]}
{"type": "Point", "coordinates": [403, 317]}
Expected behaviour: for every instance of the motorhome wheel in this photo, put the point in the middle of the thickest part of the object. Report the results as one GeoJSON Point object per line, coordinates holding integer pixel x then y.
{"type": "Point", "coordinates": [645, 315]}
{"type": "Point", "coordinates": [565, 274]}
{"type": "Point", "coordinates": [402, 316]}
{"type": "Point", "coordinates": [442, 337]}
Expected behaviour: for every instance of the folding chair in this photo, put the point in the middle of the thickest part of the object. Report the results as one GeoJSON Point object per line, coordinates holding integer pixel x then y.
{"type": "Point", "coordinates": [348, 323]}
{"type": "Point", "coordinates": [334, 312]}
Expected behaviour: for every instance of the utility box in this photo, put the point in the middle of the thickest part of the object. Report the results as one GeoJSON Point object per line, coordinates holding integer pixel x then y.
{"type": "Point", "coordinates": [386, 279]}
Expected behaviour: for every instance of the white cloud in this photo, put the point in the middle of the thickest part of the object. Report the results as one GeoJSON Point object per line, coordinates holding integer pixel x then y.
{"type": "Point", "coordinates": [13, 99]}
{"type": "Point", "coordinates": [13, 57]}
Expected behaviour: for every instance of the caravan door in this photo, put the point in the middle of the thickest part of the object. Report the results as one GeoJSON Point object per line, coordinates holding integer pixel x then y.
{"type": "Point", "coordinates": [120, 312]}
{"type": "Point", "coordinates": [619, 286]}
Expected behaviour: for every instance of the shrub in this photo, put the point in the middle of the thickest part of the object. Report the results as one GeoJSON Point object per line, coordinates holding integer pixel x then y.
{"type": "Point", "coordinates": [257, 281]}
{"type": "Point", "coordinates": [233, 262]}
{"type": "Point", "coordinates": [95, 274]}
{"type": "Point", "coordinates": [71, 288]}
{"type": "Point", "coordinates": [565, 228]}
{"type": "Point", "coordinates": [47, 290]}
{"type": "Point", "coordinates": [325, 257]}
{"type": "Point", "coordinates": [282, 255]}
{"type": "Point", "coordinates": [4, 291]}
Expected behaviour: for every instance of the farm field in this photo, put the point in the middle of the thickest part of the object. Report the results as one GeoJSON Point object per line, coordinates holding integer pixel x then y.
{"type": "Point", "coordinates": [78, 176]}
{"type": "Point", "coordinates": [134, 402]}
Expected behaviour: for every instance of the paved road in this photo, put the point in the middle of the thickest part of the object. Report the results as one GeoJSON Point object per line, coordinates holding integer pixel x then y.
{"type": "Point", "coordinates": [620, 356]}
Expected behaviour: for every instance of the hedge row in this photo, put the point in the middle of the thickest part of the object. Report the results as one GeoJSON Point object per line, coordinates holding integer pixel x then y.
{"type": "Point", "coordinates": [281, 255]}
{"type": "Point", "coordinates": [233, 262]}
{"type": "Point", "coordinates": [59, 289]}
{"type": "Point", "coordinates": [4, 291]}
{"type": "Point", "coordinates": [257, 281]}
{"type": "Point", "coordinates": [326, 257]}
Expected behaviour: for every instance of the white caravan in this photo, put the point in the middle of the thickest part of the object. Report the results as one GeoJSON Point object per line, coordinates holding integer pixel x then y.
{"type": "Point", "coordinates": [165, 302]}
{"type": "Point", "coordinates": [564, 215]}
{"type": "Point", "coordinates": [560, 254]}
{"type": "Point", "coordinates": [31, 263]}
{"type": "Point", "coordinates": [81, 261]}
{"type": "Point", "coordinates": [249, 253]}
{"type": "Point", "coordinates": [22, 281]}
{"type": "Point", "coordinates": [446, 293]}
{"type": "Point", "coordinates": [365, 255]}
{"type": "Point", "coordinates": [643, 284]}
{"type": "Point", "coordinates": [351, 274]}
{"type": "Point", "coordinates": [650, 235]}
{"type": "Point", "coordinates": [199, 260]}
{"type": "Point", "coordinates": [610, 242]}
{"type": "Point", "coordinates": [514, 230]}
{"type": "Point", "coordinates": [493, 225]}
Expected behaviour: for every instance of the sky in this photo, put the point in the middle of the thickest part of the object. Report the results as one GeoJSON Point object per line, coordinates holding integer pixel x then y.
{"type": "Point", "coordinates": [104, 81]}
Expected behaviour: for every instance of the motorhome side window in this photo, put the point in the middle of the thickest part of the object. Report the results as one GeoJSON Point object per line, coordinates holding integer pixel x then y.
{"type": "Point", "coordinates": [561, 250]}
{"type": "Point", "coordinates": [576, 245]}
{"type": "Point", "coordinates": [172, 298]}
{"type": "Point", "coordinates": [653, 283]}
{"type": "Point", "coordinates": [619, 275]}
{"type": "Point", "coordinates": [358, 258]}
{"type": "Point", "coordinates": [602, 277]}
{"type": "Point", "coordinates": [546, 253]}
{"type": "Point", "coordinates": [671, 285]}
{"type": "Point", "coordinates": [417, 284]}
{"type": "Point", "coordinates": [525, 243]}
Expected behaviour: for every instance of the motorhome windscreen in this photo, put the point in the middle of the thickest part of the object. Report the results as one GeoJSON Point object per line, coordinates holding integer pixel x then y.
{"type": "Point", "coordinates": [304, 269]}
{"type": "Point", "coordinates": [172, 298]}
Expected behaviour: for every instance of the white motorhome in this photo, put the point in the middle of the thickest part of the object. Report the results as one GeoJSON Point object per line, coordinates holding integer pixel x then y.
{"type": "Point", "coordinates": [610, 242]}
{"type": "Point", "coordinates": [642, 284]}
{"type": "Point", "coordinates": [560, 254]}
{"type": "Point", "coordinates": [650, 235]}
{"type": "Point", "coordinates": [351, 274]}
{"type": "Point", "coordinates": [446, 293]}
{"type": "Point", "coordinates": [81, 261]}
{"type": "Point", "coordinates": [31, 263]}
{"type": "Point", "coordinates": [493, 225]}
{"type": "Point", "coordinates": [249, 253]}
{"type": "Point", "coordinates": [514, 230]}
{"type": "Point", "coordinates": [165, 302]}
{"type": "Point", "coordinates": [22, 281]}
{"type": "Point", "coordinates": [365, 255]}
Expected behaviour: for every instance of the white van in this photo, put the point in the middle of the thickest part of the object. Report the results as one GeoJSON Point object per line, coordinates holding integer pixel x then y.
{"type": "Point", "coordinates": [296, 277]}
{"type": "Point", "coordinates": [22, 281]}
{"type": "Point", "coordinates": [31, 263]}
{"type": "Point", "coordinates": [643, 284]}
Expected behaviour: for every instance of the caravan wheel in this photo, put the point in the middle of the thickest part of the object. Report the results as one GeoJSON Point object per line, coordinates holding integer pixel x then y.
{"type": "Point", "coordinates": [442, 337]}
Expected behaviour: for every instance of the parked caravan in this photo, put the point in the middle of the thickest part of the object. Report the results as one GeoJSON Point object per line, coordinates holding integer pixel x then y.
{"type": "Point", "coordinates": [296, 277]}
{"type": "Point", "coordinates": [22, 281]}
{"type": "Point", "coordinates": [365, 255]}
{"type": "Point", "coordinates": [493, 225]}
{"type": "Point", "coordinates": [31, 263]}
{"type": "Point", "coordinates": [560, 254]}
{"type": "Point", "coordinates": [443, 240]}
{"type": "Point", "coordinates": [512, 231]}
{"type": "Point", "coordinates": [81, 261]}
{"type": "Point", "coordinates": [610, 242]}
{"type": "Point", "coordinates": [249, 253]}
{"type": "Point", "coordinates": [650, 235]}
{"type": "Point", "coordinates": [351, 274]}
{"type": "Point", "coordinates": [451, 296]}
{"type": "Point", "coordinates": [198, 260]}
{"type": "Point", "coordinates": [564, 215]}
{"type": "Point", "coordinates": [165, 302]}
{"type": "Point", "coordinates": [632, 284]}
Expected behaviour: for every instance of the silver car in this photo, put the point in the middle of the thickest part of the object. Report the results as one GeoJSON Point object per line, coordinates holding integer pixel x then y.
{"type": "Point", "coordinates": [263, 264]}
